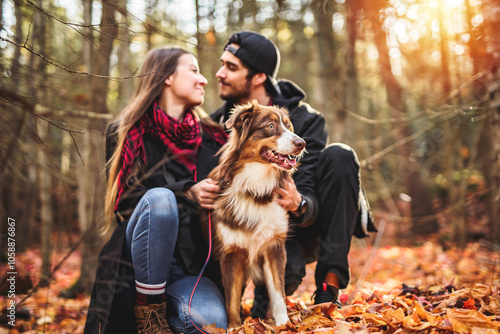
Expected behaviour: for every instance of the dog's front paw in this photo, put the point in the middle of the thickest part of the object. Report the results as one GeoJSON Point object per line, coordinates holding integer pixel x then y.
{"type": "Point", "coordinates": [234, 326]}
{"type": "Point", "coordinates": [281, 319]}
{"type": "Point", "coordinates": [233, 330]}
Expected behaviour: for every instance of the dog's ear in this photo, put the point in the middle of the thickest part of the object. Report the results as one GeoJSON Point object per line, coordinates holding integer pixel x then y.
{"type": "Point", "coordinates": [241, 119]}
{"type": "Point", "coordinates": [242, 115]}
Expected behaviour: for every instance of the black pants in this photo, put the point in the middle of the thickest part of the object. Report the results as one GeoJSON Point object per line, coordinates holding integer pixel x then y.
{"type": "Point", "coordinates": [328, 239]}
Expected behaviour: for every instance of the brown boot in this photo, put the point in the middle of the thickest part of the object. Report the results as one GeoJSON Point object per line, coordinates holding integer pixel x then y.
{"type": "Point", "coordinates": [151, 319]}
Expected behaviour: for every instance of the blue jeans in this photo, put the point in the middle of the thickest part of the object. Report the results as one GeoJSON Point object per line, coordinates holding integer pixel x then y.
{"type": "Point", "coordinates": [207, 307]}
{"type": "Point", "coordinates": [151, 237]}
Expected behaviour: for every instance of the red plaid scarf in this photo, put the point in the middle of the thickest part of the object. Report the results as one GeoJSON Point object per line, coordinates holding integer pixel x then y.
{"type": "Point", "coordinates": [182, 140]}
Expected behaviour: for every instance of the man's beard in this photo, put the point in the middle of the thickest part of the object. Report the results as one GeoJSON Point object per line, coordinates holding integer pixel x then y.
{"type": "Point", "coordinates": [238, 95]}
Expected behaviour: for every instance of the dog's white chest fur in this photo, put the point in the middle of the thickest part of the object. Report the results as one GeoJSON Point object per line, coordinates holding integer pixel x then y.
{"type": "Point", "coordinates": [265, 220]}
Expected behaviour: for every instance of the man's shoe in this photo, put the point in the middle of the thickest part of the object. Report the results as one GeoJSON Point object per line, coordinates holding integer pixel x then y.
{"type": "Point", "coordinates": [326, 293]}
{"type": "Point", "coordinates": [151, 319]}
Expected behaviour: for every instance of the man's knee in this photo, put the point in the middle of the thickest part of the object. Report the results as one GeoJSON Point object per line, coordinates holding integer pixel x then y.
{"type": "Point", "coordinates": [340, 158]}
{"type": "Point", "coordinates": [338, 153]}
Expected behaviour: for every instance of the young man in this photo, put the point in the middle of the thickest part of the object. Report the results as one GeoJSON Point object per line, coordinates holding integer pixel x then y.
{"type": "Point", "coordinates": [324, 197]}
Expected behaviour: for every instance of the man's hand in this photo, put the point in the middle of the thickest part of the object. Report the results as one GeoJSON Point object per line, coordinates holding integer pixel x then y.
{"type": "Point", "coordinates": [288, 196]}
{"type": "Point", "coordinates": [204, 192]}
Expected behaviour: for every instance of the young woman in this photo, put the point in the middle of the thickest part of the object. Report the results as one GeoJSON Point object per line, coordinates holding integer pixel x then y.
{"type": "Point", "coordinates": [159, 152]}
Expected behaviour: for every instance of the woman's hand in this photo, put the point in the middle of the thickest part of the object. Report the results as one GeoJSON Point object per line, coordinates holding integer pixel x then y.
{"type": "Point", "coordinates": [288, 195]}
{"type": "Point", "coordinates": [204, 192]}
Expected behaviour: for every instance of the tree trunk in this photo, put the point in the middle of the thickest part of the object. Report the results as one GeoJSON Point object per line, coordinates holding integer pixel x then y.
{"type": "Point", "coordinates": [12, 121]}
{"type": "Point", "coordinates": [92, 185]}
{"type": "Point", "coordinates": [15, 66]}
{"type": "Point", "coordinates": [45, 179]}
{"type": "Point", "coordinates": [208, 53]}
{"type": "Point", "coordinates": [46, 213]}
{"type": "Point", "coordinates": [253, 12]}
{"type": "Point", "coordinates": [150, 22]}
{"type": "Point", "coordinates": [351, 97]}
{"type": "Point", "coordinates": [409, 172]}
{"type": "Point", "coordinates": [445, 54]}
{"type": "Point", "coordinates": [2, 57]}
{"type": "Point", "coordinates": [85, 183]}
{"type": "Point", "coordinates": [199, 36]}
{"type": "Point", "coordinates": [126, 87]}
{"type": "Point", "coordinates": [330, 79]}
{"type": "Point", "coordinates": [87, 33]}
{"type": "Point", "coordinates": [453, 160]}
{"type": "Point", "coordinates": [31, 192]}
{"type": "Point", "coordinates": [491, 132]}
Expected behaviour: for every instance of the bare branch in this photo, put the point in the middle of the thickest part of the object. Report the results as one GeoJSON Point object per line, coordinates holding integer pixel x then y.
{"type": "Point", "coordinates": [427, 111]}
{"type": "Point", "coordinates": [13, 143]}
{"type": "Point", "coordinates": [417, 134]}
{"type": "Point", "coordinates": [44, 111]}
{"type": "Point", "coordinates": [31, 107]}
{"type": "Point", "coordinates": [74, 26]}
{"type": "Point", "coordinates": [24, 46]}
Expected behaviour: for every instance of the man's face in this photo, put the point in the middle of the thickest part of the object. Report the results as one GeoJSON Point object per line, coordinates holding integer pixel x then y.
{"type": "Point", "coordinates": [232, 75]}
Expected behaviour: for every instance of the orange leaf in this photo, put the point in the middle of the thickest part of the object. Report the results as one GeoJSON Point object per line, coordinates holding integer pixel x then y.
{"type": "Point", "coordinates": [424, 315]}
{"type": "Point", "coordinates": [465, 321]}
{"type": "Point", "coordinates": [213, 329]}
{"type": "Point", "coordinates": [470, 304]}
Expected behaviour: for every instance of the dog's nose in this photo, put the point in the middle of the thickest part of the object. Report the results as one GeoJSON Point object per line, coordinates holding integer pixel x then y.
{"type": "Point", "coordinates": [299, 143]}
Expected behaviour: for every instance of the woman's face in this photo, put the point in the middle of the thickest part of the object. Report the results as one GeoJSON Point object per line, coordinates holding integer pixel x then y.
{"type": "Point", "coordinates": [186, 84]}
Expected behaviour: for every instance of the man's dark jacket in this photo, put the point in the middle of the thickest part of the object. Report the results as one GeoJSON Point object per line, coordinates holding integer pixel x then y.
{"type": "Point", "coordinates": [111, 308]}
{"type": "Point", "coordinates": [308, 124]}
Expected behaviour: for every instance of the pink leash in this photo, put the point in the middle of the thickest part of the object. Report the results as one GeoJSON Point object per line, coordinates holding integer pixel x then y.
{"type": "Point", "coordinates": [202, 270]}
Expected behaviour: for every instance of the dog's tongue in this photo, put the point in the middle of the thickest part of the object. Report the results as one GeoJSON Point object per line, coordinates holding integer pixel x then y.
{"type": "Point", "coordinates": [290, 162]}
{"type": "Point", "coordinates": [283, 161]}
{"type": "Point", "coordinates": [286, 162]}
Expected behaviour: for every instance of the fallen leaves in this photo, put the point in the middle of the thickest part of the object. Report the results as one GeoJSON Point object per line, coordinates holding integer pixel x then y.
{"type": "Point", "coordinates": [465, 321]}
{"type": "Point", "coordinates": [442, 295]}
{"type": "Point", "coordinates": [407, 290]}
{"type": "Point", "coordinates": [45, 311]}
{"type": "Point", "coordinates": [434, 313]}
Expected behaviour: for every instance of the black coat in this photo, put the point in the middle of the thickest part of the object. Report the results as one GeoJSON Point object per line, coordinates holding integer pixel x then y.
{"type": "Point", "coordinates": [113, 296]}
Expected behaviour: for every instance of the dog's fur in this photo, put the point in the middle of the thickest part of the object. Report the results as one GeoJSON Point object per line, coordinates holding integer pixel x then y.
{"type": "Point", "coordinates": [249, 227]}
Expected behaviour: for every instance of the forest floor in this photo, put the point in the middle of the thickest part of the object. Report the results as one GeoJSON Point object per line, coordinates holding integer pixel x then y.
{"type": "Point", "coordinates": [394, 289]}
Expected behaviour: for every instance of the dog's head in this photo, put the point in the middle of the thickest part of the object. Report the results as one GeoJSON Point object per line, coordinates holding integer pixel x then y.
{"type": "Point", "coordinates": [264, 134]}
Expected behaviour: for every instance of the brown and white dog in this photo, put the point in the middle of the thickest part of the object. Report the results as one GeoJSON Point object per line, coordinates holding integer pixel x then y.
{"type": "Point", "coordinates": [248, 226]}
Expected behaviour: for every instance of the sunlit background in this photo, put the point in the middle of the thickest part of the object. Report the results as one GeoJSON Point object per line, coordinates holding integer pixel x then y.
{"type": "Point", "coordinates": [411, 85]}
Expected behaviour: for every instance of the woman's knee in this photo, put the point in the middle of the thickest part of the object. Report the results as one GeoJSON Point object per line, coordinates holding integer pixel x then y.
{"type": "Point", "coordinates": [160, 198]}
{"type": "Point", "coordinates": [155, 213]}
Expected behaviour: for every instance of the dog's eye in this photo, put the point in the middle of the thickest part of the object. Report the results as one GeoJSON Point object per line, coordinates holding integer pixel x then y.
{"type": "Point", "coordinates": [271, 126]}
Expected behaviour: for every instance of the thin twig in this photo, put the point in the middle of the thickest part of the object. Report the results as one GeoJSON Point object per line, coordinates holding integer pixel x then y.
{"type": "Point", "coordinates": [369, 261]}
{"type": "Point", "coordinates": [24, 46]}
{"type": "Point", "coordinates": [56, 268]}
{"type": "Point", "coordinates": [77, 149]}
{"type": "Point", "coordinates": [405, 140]}
{"type": "Point", "coordinates": [73, 25]}
{"type": "Point", "coordinates": [427, 111]}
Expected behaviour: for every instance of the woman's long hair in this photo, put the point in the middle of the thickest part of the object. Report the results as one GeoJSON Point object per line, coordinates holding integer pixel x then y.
{"type": "Point", "coordinates": [159, 64]}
